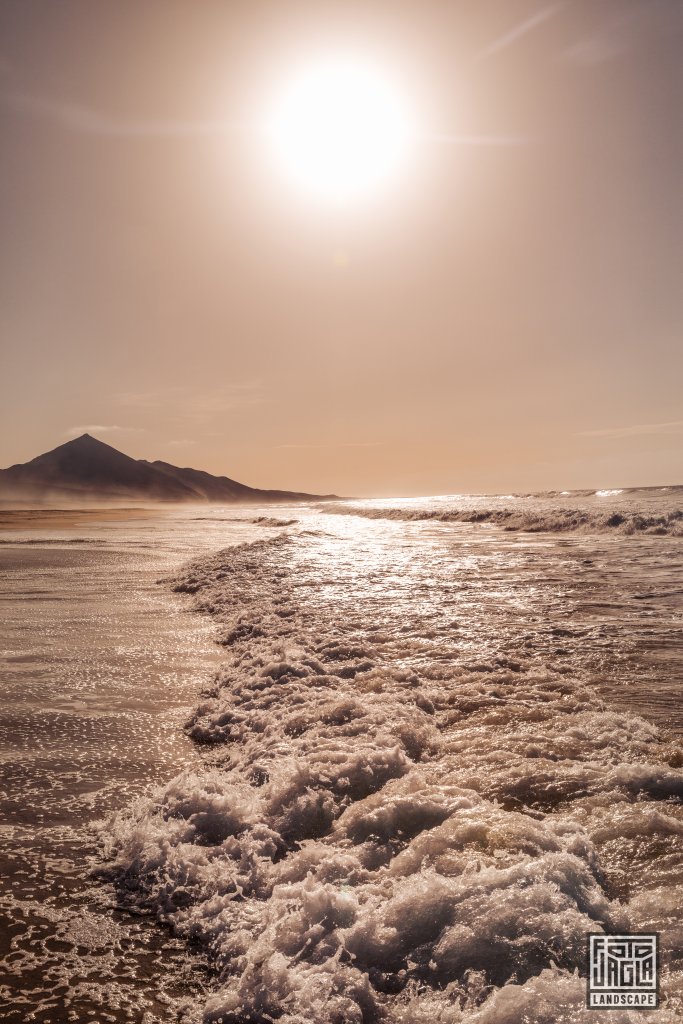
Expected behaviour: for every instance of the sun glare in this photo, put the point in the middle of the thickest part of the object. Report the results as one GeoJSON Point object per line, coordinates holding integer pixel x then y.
{"type": "Point", "coordinates": [339, 129]}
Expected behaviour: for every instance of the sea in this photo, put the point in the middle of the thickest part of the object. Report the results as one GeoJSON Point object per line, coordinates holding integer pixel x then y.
{"type": "Point", "coordinates": [388, 760]}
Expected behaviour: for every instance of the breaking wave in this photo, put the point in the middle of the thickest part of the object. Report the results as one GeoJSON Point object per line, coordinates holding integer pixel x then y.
{"type": "Point", "coordinates": [58, 541]}
{"type": "Point", "coordinates": [382, 833]}
{"type": "Point", "coordinates": [532, 519]}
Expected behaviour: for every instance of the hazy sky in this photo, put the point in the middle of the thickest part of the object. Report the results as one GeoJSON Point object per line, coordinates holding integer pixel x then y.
{"type": "Point", "coordinates": [507, 315]}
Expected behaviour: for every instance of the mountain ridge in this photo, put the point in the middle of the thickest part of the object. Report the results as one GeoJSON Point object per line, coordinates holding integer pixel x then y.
{"type": "Point", "coordinates": [89, 469]}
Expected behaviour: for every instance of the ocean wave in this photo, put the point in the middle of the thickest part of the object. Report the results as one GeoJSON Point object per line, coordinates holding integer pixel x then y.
{"type": "Point", "coordinates": [378, 836]}
{"type": "Point", "coordinates": [273, 521]}
{"type": "Point", "coordinates": [47, 541]}
{"type": "Point", "coordinates": [257, 521]}
{"type": "Point", "coordinates": [628, 522]}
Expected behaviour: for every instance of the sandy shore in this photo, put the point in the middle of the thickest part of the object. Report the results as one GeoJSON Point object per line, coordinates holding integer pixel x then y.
{"type": "Point", "coordinates": [64, 519]}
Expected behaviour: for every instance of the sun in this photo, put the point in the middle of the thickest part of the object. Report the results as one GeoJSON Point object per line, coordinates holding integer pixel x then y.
{"type": "Point", "coordinates": [339, 129]}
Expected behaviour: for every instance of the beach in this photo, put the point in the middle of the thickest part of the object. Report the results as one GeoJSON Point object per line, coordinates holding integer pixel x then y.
{"type": "Point", "coordinates": [427, 756]}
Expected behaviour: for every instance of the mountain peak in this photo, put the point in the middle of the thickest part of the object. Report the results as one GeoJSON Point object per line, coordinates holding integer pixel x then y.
{"type": "Point", "coordinates": [87, 444]}
{"type": "Point", "coordinates": [85, 467]}
{"type": "Point", "coordinates": [84, 439]}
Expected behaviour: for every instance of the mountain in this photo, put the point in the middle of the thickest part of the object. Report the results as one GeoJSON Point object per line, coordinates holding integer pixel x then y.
{"type": "Point", "coordinates": [86, 469]}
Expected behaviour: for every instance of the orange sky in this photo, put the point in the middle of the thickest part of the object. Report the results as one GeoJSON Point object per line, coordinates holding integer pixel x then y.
{"type": "Point", "coordinates": [506, 316]}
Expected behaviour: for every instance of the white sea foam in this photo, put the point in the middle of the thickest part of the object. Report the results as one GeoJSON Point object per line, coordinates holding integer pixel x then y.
{"type": "Point", "coordinates": [531, 517]}
{"type": "Point", "coordinates": [389, 828]}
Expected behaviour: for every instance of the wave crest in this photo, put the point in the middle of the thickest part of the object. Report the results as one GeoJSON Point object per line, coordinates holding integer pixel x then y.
{"type": "Point", "coordinates": [532, 520]}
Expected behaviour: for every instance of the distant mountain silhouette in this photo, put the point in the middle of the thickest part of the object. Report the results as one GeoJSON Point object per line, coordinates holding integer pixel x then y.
{"type": "Point", "coordinates": [88, 469]}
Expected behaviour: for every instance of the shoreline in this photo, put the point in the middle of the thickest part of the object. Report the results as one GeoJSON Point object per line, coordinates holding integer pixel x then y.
{"type": "Point", "coordinates": [64, 519]}
{"type": "Point", "coordinates": [95, 701]}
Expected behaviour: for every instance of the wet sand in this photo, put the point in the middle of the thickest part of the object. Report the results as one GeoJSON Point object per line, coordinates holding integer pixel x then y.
{"type": "Point", "coordinates": [99, 667]}
{"type": "Point", "coordinates": [65, 519]}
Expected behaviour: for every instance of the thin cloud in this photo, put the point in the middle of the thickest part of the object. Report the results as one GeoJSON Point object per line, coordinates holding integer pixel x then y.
{"type": "Point", "coordinates": [616, 36]}
{"type": "Point", "coordinates": [98, 428]}
{"type": "Point", "coordinates": [637, 430]}
{"type": "Point", "coordinates": [196, 404]}
{"type": "Point", "coordinates": [592, 51]}
{"type": "Point", "coordinates": [341, 444]}
{"type": "Point", "coordinates": [519, 31]}
{"type": "Point", "coordinates": [78, 118]}
{"type": "Point", "coordinates": [480, 140]}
